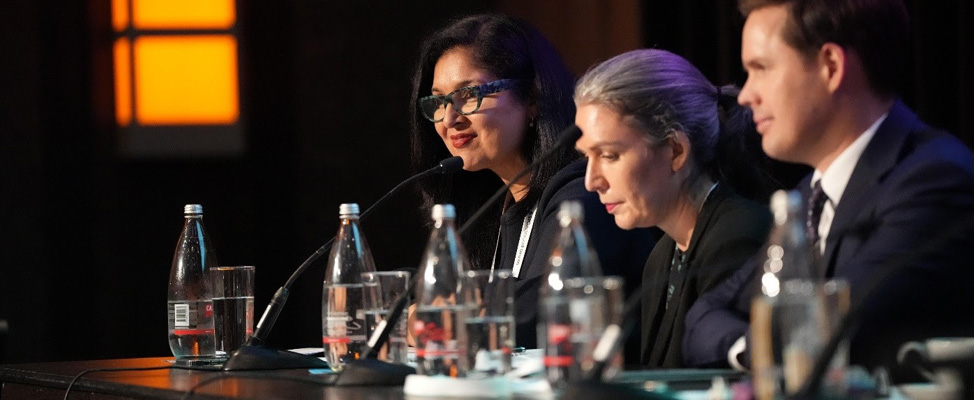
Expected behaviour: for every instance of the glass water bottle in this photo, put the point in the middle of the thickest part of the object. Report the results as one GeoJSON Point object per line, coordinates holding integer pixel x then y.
{"type": "Point", "coordinates": [191, 334]}
{"type": "Point", "coordinates": [438, 327]}
{"type": "Point", "coordinates": [342, 304]}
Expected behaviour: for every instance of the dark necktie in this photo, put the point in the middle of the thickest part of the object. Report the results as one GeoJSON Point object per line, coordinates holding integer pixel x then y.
{"type": "Point", "coordinates": [815, 205]}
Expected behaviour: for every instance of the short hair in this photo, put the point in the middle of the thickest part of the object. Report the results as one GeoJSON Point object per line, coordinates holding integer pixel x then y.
{"type": "Point", "coordinates": [507, 48]}
{"type": "Point", "coordinates": [876, 30]}
{"type": "Point", "coordinates": [663, 93]}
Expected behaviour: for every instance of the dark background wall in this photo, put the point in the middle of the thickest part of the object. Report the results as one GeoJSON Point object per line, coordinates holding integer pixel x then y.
{"type": "Point", "coordinates": [87, 233]}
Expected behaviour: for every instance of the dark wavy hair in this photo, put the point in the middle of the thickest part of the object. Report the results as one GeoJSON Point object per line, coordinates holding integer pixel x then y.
{"type": "Point", "coordinates": [664, 94]}
{"type": "Point", "coordinates": [507, 48]}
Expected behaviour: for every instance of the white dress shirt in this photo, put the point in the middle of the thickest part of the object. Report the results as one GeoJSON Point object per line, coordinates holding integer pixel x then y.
{"type": "Point", "coordinates": [835, 178]}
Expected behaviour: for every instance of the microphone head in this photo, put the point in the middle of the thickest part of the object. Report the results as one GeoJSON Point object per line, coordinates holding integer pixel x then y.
{"type": "Point", "coordinates": [450, 165]}
{"type": "Point", "coordinates": [569, 136]}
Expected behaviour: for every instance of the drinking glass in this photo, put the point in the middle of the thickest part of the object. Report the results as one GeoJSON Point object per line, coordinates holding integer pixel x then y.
{"type": "Point", "coordinates": [790, 330]}
{"type": "Point", "coordinates": [233, 306]}
{"type": "Point", "coordinates": [593, 304]}
{"type": "Point", "coordinates": [381, 291]}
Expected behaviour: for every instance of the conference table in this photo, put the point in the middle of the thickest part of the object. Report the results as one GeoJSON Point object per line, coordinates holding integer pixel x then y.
{"type": "Point", "coordinates": [50, 380]}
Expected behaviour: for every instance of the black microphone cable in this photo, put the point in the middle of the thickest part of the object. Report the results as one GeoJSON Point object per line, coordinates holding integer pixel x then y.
{"type": "Point", "coordinates": [78, 376]}
{"type": "Point", "coordinates": [254, 375]}
{"type": "Point", "coordinates": [199, 385]}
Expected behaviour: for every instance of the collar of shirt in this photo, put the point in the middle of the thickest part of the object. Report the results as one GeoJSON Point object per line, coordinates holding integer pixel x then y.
{"type": "Point", "coordinates": [837, 175]}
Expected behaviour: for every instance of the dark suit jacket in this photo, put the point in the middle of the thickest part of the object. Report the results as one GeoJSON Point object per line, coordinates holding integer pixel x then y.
{"type": "Point", "coordinates": [620, 252]}
{"type": "Point", "coordinates": [909, 203]}
{"type": "Point", "coordinates": [728, 231]}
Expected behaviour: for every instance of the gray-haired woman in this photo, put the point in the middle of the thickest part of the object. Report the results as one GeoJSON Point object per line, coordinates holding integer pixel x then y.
{"type": "Point", "coordinates": [660, 141]}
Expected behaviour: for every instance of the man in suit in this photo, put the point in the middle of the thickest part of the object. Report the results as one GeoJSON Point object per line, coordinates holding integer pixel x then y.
{"type": "Point", "coordinates": [887, 190]}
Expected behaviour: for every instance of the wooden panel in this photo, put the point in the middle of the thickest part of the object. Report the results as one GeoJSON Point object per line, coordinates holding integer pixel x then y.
{"type": "Point", "coordinates": [585, 32]}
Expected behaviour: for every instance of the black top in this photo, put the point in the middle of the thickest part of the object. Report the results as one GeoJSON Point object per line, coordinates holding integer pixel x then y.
{"type": "Point", "coordinates": [729, 230]}
{"type": "Point", "coordinates": [620, 252]}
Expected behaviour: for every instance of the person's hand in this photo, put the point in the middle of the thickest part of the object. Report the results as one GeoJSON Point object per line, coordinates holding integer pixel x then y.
{"type": "Point", "coordinates": [410, 319]}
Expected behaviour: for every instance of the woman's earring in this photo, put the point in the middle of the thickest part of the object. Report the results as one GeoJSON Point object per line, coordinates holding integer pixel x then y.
{"type": "Point", "coordinates": [531, 123]}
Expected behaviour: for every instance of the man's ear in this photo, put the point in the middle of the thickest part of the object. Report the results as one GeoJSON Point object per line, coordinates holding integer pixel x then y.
{"type": "Point", "coordinates": [833, 63]}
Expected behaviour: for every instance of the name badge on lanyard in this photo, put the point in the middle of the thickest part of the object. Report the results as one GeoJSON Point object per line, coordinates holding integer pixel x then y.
{"type": "Point", "coordinates": [522, 243]}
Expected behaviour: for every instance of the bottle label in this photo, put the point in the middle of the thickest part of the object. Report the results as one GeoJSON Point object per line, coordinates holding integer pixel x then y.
{"type": "Point", "coordinates": [191, 318]}
{"type": "Point", "coordinates": [437, 353]}
{"type": "Point", "coordinates": [429, 332]}
{"type": "Point", "coordinates": [436, 341]}
{"type": "Point", "coordinates": [181, 316]}
{"type": "Point", "coordinates": [559, 334]}
{"type": "Point", "coordinates": [341, 328]}
{"type": "Point", "coordinates": [558, 361]}
{"type": "Point", "coordinates": [559, 343]}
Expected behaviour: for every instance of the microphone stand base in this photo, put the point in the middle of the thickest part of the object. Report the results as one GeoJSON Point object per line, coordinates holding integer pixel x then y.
{"type": "Point", "coordinates": [258, 358]}
{"type": "Point", "coordinates": [373, 372]}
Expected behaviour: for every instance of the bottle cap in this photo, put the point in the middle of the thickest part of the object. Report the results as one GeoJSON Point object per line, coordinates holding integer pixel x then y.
{"type": "Point", "coordinates": [444, 211]}
{"type": "Point", "coordinates": [193, 209]}
{"type": "Point", "coordinates": [570, 210]}
{"type": "Point", "coordinates": [348, 209]}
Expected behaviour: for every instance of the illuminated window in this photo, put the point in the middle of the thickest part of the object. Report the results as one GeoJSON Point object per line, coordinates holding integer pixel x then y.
{"type": "Point", "coordinates": [176, 77]}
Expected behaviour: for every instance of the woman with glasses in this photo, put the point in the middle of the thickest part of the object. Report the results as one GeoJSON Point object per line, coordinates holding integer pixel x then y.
{"type": "Point", "coordinates": [666, 148]}
{"type": "Point", "coordinates": [493, 90]}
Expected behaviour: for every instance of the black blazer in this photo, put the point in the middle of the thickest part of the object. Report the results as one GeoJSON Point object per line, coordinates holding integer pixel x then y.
{"type": "Point", "coordinates": [729, 230]}
{"type": "Point", "coordinates": [912, 186]}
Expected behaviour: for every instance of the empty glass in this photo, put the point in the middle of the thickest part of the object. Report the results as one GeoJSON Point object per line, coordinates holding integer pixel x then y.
{"type": "Point", "coordinates": [593, 304]}
{"type": "Point", "coordinates": [489, 297]}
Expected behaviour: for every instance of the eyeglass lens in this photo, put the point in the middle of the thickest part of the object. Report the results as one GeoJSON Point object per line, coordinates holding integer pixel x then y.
{"type": "Point", "coordinates": [464, 101]}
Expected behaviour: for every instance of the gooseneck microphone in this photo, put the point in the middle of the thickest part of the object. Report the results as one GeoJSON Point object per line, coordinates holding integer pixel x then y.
{"type": "Point", "coordinates": [380, 336]}
{"type": "Point", "coordinates": [253, 356]}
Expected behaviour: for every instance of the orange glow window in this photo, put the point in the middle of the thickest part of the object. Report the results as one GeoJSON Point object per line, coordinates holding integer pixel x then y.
{"type": "Point", "coordinates": [183, 14]}
{"type": "Point", "coordinates": [175, 62]}
{"type": "Point", "coordinates": [123, 82]}
{"type": "Point", "coordinates": [186, 79]}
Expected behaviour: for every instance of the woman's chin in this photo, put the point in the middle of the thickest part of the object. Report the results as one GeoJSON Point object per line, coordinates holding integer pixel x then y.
{"type": "Point", "coordinates": [473, 165]}
{"type": "Point", "coordinates": [624, 223]}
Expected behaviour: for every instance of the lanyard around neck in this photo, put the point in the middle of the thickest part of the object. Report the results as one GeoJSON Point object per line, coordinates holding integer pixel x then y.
{"type": "Point", "coordinates": [522, 244]}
